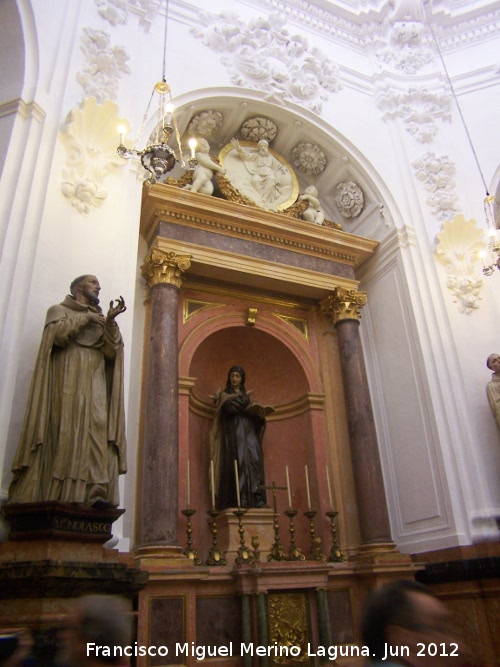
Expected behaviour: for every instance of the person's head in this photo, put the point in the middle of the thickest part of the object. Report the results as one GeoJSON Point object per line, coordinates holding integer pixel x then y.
{"type": "Point", "coordinates": [100, 620]}
{"type": "Point", "coordinates": [203, 146]}
{"type": "Point", "coordinates": [86, 289]}
{"type": "Point", "coordinates": [493, 362]}
{"type": "Point", "coordinates": [15, 647]}
{"type": "Point", "coordinates": [236, 379]}
{"type": "Point", "coordinates": [406, 614]}
{"type": "Point", "coordinates": [263, 146]}
{"type": "Point", "coordinates": [311, 190]}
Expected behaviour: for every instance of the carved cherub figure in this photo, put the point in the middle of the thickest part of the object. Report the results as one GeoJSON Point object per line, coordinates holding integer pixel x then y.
{"type": "Point", "coordinates": [313, 212]}
{"type": "Point", "coordinates": [202, 176]}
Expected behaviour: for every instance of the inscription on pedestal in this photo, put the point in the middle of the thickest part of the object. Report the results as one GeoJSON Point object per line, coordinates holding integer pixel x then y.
{"type": "Point", "coordinates": [53, 520]}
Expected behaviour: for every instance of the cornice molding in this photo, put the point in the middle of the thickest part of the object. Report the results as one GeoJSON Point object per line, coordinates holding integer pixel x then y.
{"type": "Point", "coordinates": [25, 109]}
{"type": "Point", "coordinates": [179, 206]}
{"type": "Point", "coordinates": [295, 408]}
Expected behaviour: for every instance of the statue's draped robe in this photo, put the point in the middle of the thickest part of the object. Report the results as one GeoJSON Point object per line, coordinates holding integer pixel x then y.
{"type": "Point", "coordinates": [73, 446]}
{"type": "Point", "coordinates": [237, 436]}
{"type": "Point", "coordinates": [493, 393]}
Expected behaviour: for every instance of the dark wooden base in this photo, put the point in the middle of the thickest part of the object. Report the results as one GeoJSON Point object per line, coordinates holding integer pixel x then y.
{"type": "Point", "coordinates": [60, 521]}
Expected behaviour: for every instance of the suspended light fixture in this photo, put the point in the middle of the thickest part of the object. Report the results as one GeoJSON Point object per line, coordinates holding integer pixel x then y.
{"type": "Point", "coordinates": [489, 200]}
{"type": "Point", "coordinates": [158, 158]}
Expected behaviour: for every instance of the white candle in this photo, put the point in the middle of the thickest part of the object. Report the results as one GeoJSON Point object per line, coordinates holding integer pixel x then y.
{"type": "Point", "coordinates": [188, 486]}
{"type": "Point", "coordinates": [329, 488]}
{"type": "Point", "coordinates": [237, 480]}
{"type": "Point", "coordinates": [169, 110]}
{"type": "Point", "coordinates": [192, 145]}
{"type": "Point", "coordinates": [212, 479]}
{"type": "Point", "coordinates": [307, 489]}
{"type": "Point", "coordinates": [288, 487]}
{"type": "Point", "coordinates": [121, 131]}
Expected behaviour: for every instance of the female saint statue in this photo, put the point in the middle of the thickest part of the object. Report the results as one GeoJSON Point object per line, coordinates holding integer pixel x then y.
{"type": "Point", "coordinates": [236, 435]}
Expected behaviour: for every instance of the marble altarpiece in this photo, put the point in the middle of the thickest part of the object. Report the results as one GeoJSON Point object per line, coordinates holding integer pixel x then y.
{"type": "Point", "coordinates": [235, 283]}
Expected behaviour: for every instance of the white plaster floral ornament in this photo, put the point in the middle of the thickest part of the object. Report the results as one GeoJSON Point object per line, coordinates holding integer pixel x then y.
{"type": "Point", "coordinates": [309, 158]}
{"type": "Point", "coordinates": [460, 242]}
{"type": "Point", "coordinates": [259, 127]}
{"type": "Point", "coordinates": [89, 137]}
{"type": "Point", "coordinates": [349, 199]}
{"type": "Point", "coordinates": [436, 173]}
{"type": "Point", "coordinates": [205, 124]}
{"type": "Point", "coordinates": [113, 11]}
{"type": "Point", "coordinates": [419, 108]}
{"type": "Point", "coordinates": [104, 65]}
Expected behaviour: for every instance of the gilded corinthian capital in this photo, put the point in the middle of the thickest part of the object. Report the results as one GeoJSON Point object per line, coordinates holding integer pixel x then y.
{"type": "Point", "coordinates": [164, 268]}
{"type": "Point", "coordinates": [343, 304]}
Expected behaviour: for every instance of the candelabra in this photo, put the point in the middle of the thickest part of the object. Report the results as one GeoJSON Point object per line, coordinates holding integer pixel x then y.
{"type": "Point", "coordinates": [215, 556]}
{"type": "Point", "coordinates": [294, 552]}
{"type": "Point", "coordinates": [158, 158]}
{"type": "Point", "coordinates": [189, 551]}
{"type": "Point", "coordinates": [336, 553]}
{"type": "Point", "coordinates": [315, 553]}
{"type": "Point", "coordinates": [276, 552]}
{"type": "Point", "coordinates": [244, 555]}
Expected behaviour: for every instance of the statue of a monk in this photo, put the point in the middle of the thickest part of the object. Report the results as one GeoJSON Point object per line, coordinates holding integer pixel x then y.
{"type": "Point", "coordinates": [73, 446]}
{"type": "Point", "coordinates": [493, 387]}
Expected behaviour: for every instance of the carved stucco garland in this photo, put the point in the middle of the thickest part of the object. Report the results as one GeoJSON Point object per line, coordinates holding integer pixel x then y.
{"type": "Point", "coordinates": [436, 173]}
{"type": "Point", "coordinates": [104, 65]}
{"type": "Point", "coordinates": [89, 138]}
{"type": "Point", "coordinates": [460, 241]}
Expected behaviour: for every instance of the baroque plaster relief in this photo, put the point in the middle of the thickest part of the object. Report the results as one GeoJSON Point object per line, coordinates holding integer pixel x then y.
{"type": "Point", "coordinates": [89, 137]}
{"type": "Point", "coordinates": [264, 55]}
{"type": "Point", "coordinates": [259, 127]}
{"type": "Point", "coordinates": [407, 48]}
{"type": "Point", "coordinates": [116, 12]}
{"type": "Point", "coordinates": [104, 65]}
{"type": "Point", "coordinates": [419, 109]}
{"type": "Point", "coordinates": [436, 173]}
{"type": "Point", "coordinates": [113, 11]}
{"type": "Point", "coordinates": [309, 158]}
{"type": "Point", "coordinates": [460, 241]}
{"type": "Point", "coordinates": [205, 123]}
{"type": "Point", "coordinates": [349, 199]}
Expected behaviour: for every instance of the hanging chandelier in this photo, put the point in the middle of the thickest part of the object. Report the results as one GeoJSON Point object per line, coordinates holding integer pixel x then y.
{"type": "Point", "coordinates": [158, 157]}
{"type": "Point", "coordinates": [489, 200]}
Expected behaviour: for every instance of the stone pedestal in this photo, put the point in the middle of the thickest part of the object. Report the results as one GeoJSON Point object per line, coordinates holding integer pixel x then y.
{"type": "Point", "coordinates": [55, 554]}
{"type": "Point", "coordinates": [256, 522]}
{"type": "Point", "coordinates": [60, 521]}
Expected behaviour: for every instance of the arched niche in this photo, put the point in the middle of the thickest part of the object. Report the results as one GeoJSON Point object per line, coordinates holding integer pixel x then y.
{"type": "Point", "coordinates": [295, 433]}
{"type": "Point", "coordinates": [272, 369]}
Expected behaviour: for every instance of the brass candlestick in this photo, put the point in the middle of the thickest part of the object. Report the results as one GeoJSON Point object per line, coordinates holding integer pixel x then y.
{"type": "Point", "coordinates": [215, 555]}
{"type": "Point", "coordinates": [276, 552]}
{"type": "Point", "coordinates": [336, 553]}
{"type": "Point", "coordinates": [315, 553]}
{"type": "Point", "coordinates": [244, 556]}
{"type": "Point", "coordinates": [255, 546]}
{"type": "Point", "coordinates": [294, 553]}
{"type": "Point", "coordinates": [189, 551]}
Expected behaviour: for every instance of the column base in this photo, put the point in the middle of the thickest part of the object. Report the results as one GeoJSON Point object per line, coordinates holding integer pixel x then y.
{"type": "Point", "coordinates": [381, 553]}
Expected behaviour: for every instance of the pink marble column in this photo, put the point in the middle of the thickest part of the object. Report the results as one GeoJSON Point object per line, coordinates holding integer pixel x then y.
{"type": "Point", "coordinates": [344, 307]}
{"type": "Point", "coordinates": [159, 511]}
